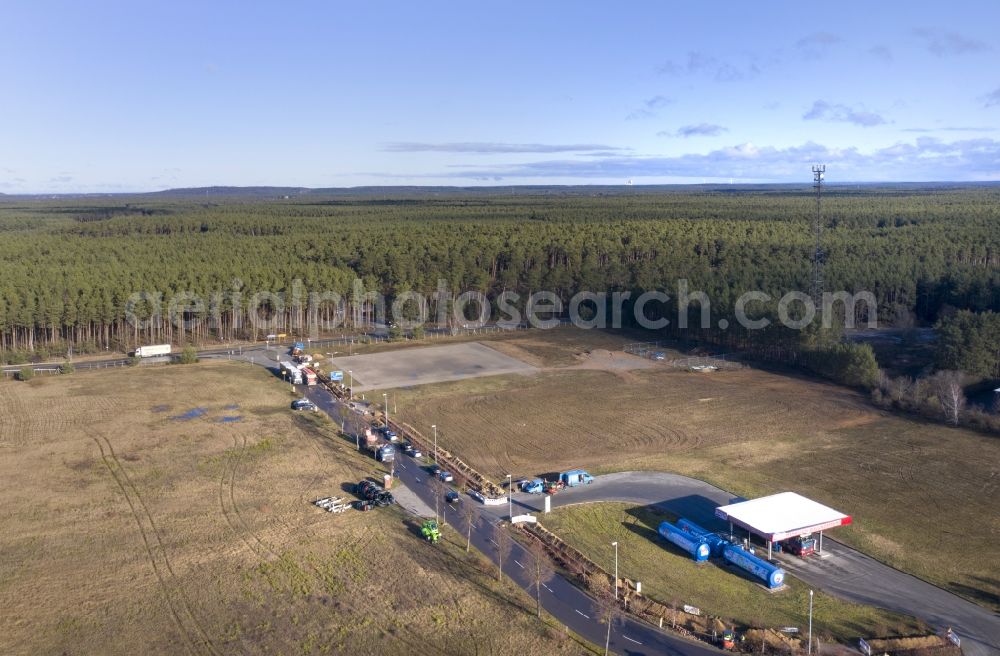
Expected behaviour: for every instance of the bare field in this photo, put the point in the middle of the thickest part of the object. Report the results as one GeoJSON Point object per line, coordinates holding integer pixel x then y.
{"type": "Point", "coordinates": [923, 495]}
{"type": "Point", "coordinates": [136, 521]}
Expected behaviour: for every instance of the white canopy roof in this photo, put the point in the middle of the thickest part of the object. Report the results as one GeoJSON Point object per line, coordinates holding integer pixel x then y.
{"type": "Point", "coordinates": [782, 515]}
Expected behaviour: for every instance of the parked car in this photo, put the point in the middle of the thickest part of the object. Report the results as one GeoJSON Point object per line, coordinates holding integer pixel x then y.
{"type": "Point", "coordinates": [534, 486]}
{"type": "Point", "coordinates": [388, 433]}
{"type": "Point", "coordinates": [412, 451]}
{"type": "Point", "coordinates": [303, 404]}
{"type": "Point", "coordinates": [452, 497]}
{"type": "Point", "coordinates": [659, 355]}
{"type": "Point", "coordinates": [445, 476]}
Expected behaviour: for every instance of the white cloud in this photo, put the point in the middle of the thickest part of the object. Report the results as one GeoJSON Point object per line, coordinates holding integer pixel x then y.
{"type": "Point", "coordinates": [924, 159]}
{"type": "Point", "coordinates": [943, 43]}
{"type": "Point", "coordinates": [491, 147]}
{"type": "Point", "coordinates": [650, 108]}
{"type": "Point", "coordinates": [697, 130]}
{"type": "Point", "coordinates": [826, 111]}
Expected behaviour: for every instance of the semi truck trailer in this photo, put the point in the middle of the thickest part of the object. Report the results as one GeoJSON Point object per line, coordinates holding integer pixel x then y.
{"type": "Point", "coordinates": [151, 351]}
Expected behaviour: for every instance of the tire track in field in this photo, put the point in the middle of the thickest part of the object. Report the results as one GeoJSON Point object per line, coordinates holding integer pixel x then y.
{"type": "Point", "coordinates": [12, 407]}
{"type": "Point", "coordinates": [231, 510]}
{"type": "Point", "coordinates": [193, 634]}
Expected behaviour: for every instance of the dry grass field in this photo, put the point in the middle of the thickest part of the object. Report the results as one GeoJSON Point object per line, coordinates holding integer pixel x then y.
{"type": "Point", "coordinates": [924, 496]}
{"type": "Point", "coordinates": [135, 520]}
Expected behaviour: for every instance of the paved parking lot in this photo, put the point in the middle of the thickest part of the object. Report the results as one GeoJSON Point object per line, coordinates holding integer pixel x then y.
{"type": "Point", "coordinates": [432, 364]}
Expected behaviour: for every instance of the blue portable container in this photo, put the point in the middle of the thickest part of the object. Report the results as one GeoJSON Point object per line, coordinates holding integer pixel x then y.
{"type": "Point", "coordinates": [694, 545]}
{"type": "Point", "coordinates": [772, 575]}
{"type": "Point", "coordinates": [715, 543]}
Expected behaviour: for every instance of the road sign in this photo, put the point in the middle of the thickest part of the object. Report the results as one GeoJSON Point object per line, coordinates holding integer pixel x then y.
{"type": "Point", "coordinates": [864, 647]}
{"type": "Point", "coordinates": [789, 629]}
{"type": "Point", "coordinates": [337, 375]}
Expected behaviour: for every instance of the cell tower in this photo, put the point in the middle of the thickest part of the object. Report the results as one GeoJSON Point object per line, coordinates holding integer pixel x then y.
{"type": "Point", "coordinates": [817, 282]}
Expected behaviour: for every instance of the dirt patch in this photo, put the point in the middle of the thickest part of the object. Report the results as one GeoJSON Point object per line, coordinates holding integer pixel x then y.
{"type": "Point", "coordinates": [515, 350]}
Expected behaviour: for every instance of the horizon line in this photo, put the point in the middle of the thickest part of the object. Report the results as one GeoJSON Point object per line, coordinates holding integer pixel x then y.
{"type": "Point", "coordinates": [624, 186]}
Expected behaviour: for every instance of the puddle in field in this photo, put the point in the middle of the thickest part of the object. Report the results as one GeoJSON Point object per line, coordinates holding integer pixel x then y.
{"type": "Point", "coordinates": [232, 406]}
{"type": "Point", "coordinates": [160, 408]}
{"type": "Point", "coordinates": [229, 420]}
{"type": "Point", "coordinates": [193, 413]}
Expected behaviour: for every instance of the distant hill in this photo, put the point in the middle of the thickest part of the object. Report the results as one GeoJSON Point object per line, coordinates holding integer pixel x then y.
{"type": "Point", "coordinates": [388, 192]}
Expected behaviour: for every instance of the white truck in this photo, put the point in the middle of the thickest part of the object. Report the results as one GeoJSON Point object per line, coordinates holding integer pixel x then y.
{"type": "Point", "coordinates": [291, 372]}
{"type": "Point", "coordinates": [151, 351]}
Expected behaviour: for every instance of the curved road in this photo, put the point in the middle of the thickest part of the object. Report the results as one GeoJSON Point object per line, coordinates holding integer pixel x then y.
{"type": "Point", "coordinates": [844, 572]}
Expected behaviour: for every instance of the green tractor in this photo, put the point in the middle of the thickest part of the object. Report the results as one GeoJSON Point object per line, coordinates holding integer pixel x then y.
{"type": "Point", "coordinates": [430, 531]}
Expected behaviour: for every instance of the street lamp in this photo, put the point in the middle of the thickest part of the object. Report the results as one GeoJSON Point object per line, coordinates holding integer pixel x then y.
{"type": "Point", "coordinates": [434, 426]}
{"type": "Point", "coordinates": [809, 649]}
{"type": "Point", "coordinates": [385, 404]}
{"type": "Point", "coordinates": [510, 496]}
{"type": "Point", "coordinates": [350, 390]}
{"type": "Point", "coordinates": [615, 545]}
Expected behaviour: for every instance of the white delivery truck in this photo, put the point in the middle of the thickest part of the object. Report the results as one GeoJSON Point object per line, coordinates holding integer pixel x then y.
{"type": "Point", "coordinates": [150, 351]}
{"type": "Point", "coordinates": [291, 372]}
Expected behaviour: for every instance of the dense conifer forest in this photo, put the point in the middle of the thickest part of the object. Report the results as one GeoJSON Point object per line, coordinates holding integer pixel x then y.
{"type": "Point", "coordinates": [68, 266]}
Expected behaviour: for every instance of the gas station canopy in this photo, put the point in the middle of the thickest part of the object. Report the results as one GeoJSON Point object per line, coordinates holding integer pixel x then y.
{"type": "Point", "coordinates": [781, 516]}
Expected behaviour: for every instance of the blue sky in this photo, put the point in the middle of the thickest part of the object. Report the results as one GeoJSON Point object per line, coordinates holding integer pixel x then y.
{"type": "Point", "coordinates": [132, 96]}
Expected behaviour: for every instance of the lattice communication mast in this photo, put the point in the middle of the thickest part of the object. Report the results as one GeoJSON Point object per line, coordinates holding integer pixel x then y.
{"type": "Point", "coordinates": [817, 282]}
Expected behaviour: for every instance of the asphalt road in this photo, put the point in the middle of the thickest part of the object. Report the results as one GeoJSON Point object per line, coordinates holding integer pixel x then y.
{"type": "Point", "coordinates": [844, 572]}
{"type": "Point", "coordinates": [560, 598]}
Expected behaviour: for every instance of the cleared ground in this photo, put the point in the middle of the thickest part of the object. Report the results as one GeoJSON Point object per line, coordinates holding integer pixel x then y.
{"type": "Point", "coordinates": [663, 570]}
{"type": "Point", "coordinates": [419, 366]}
{"type": "Point", "coordinates": [923, 496]}
{"type": "Point", "coordinates": [166, 510]}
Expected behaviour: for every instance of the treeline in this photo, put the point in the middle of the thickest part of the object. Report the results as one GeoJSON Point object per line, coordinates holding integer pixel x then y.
{"type": "Point", "coordinates": [67, 271]}
{"type": "Point", "coordinates": [970, 342]}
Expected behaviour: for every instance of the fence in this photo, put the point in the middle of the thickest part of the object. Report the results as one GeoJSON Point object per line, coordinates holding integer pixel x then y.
{"type": "Point", "coordinates": [659, 351]}
{"type": "Point", "coordinates": [430, 334]}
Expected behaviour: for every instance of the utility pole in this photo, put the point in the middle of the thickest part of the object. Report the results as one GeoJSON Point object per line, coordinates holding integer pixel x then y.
{"type": "Point", "coordinates": [809, 648]}
{"type": "Point", "coordinates": [510, 496]}
{"type": "Point", "coordinates": [817, 282]}
{"type": "Point", "coordinates": [615, 545]}
{"type": "Point", "coordinates": [434, 426]}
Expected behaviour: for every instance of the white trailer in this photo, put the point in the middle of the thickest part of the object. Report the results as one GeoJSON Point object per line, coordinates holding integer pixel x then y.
{"type": "Point", "coordinates": [151, 351]}
{"type": "Point", "coordinates": [291, 371]}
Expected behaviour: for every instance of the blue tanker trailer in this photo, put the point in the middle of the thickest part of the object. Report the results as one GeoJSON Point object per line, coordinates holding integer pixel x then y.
{"type": "Point", "coordinates": [694, 545]}
{"type": "Point", "coordinates": [716, 543]}
{"type": "Point", "coordinates": [772, 575]}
